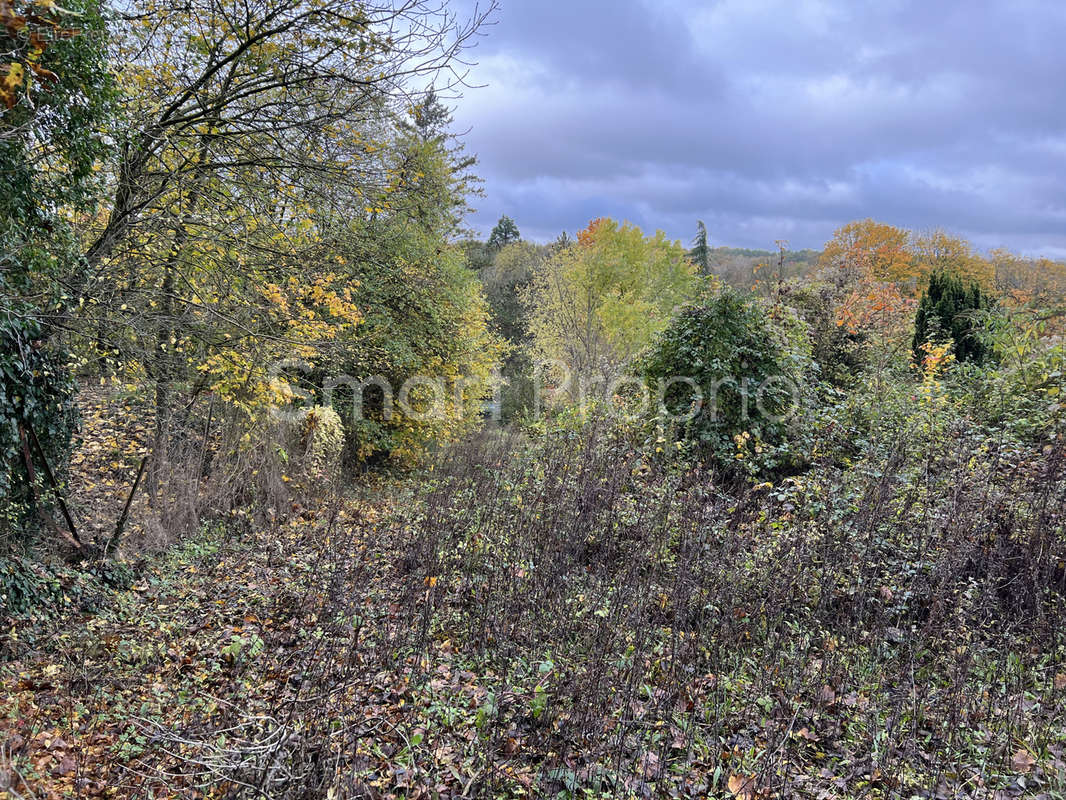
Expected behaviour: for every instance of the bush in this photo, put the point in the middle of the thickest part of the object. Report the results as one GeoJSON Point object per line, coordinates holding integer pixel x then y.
{"type": "Point", "coordinates": [36, 392]}
{"type": "Point", "coordinates": [838, 350]}
{"type": "Point", "coordinates": [424, 315]}
{"type": "Point", "coordinates": [322, 438]}
{"type": "Point", "coordinates": [733, 377]}
{"type": "Point", "coordinates": [946, 311]}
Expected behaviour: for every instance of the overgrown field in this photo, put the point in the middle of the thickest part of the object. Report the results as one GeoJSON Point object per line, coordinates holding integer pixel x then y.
{"type": "Point", "coordinates": [563, 617]}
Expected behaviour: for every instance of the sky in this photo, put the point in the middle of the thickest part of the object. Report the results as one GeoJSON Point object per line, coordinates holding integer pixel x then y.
{"type": "Point", "coordinates": [773, 119]}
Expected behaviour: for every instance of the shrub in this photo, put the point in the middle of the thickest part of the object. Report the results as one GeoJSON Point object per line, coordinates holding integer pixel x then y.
{"type": "Point", "coordinates": [838, 350]}
{"type": "Point", "coordinates": [36, 393]}
{"type": "Point", "coordinates": [946, 311]}
{"type": "Point", "coordinates": [313, 443]}
{"type": "Point", "coordinates": [323, 441]}
{"type": "Point", "coordinates": [733, 377]}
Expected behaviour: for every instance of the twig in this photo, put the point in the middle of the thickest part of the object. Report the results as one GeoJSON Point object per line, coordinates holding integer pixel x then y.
{"type": "Point", "coordinates": [116, 537]}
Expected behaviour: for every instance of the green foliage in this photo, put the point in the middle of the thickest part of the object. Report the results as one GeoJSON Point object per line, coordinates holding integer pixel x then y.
{"type": "Point", "coordinates": [423, 315]}
{"type": "Point", "coordinates": [1020, 388]}
{"type": "Point", "coordinates": [36, 392]}
{"type": "Point", "coordinates": [504, 280]}
{"type": "Point", "coordinates": [749, 377]}
{"type": "Point", "coordinates": [504, 233]}
{"type": "Point", "coordinates": [838, 351]}
{"type": "Point", "coordinates": [946, 311]}
{"type": "Point", "coordinates": [433, 168]}
{"type": "Point", "coordinates": [701, 251]}
{"type": "Point", "coordinates": [597, 303]}
{"type": "Point", "coordinates": [51, 139]}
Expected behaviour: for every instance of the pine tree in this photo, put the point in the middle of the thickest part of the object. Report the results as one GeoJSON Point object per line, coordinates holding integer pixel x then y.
{"type": "Point", "coordinates": [504, 233]}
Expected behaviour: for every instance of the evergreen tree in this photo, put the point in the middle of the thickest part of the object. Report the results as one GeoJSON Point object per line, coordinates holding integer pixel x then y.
{"type": "Point", "coordinates": [946, 312]}
{"type": "Point", "coordinates": [701, 251]}
{"type": "Point", "coordinates": [504, 233]}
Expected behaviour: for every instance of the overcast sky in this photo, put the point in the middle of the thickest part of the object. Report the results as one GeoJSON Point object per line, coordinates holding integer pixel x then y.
{"type": "Point", "coordinates": [774, 119]}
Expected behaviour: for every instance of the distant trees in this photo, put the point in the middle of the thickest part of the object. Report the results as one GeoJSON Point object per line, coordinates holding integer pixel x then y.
{"type": "Point", "coordinates": [1021, 280]}
{"type": "Point", "coordinates": [599, 301]}
{"type": "Point", "coordinates": [867, 251]}
{"type": "Point", "coordinates": [938, 251]}
{"type": "Point", "coordinates": [946, 312]}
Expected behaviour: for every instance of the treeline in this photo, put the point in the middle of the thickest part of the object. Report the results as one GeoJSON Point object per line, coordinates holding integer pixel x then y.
{"type": "Point", "coordinates": [604, 320]}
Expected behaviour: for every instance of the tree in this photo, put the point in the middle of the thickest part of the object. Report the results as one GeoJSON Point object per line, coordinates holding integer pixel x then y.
{"type": "Point", "coordinates": [595, 304]}
{"type": "Point", "coordinates": [504, 280]}
{"type": "Point", "coordinates": [249, 131]}
{"type": "Point", "coordinates": [866, 250]}
{"type": "Point", "coordinates": [504, 233]}
{"type": "Point", "coordinates": [435, 172]}
{"type": "Point", "coordinates": [701, 251]}
{"type": "Point", "coordinates": [946, 312]}
{"type": "Point", "coordinates": [937, 251]}
{"type": "Point", "coordinates": [423, 317]}
{"type": "Point", "coordinates": [1028, 280]}
{"type": "Point", "coordinates": [57, 93]}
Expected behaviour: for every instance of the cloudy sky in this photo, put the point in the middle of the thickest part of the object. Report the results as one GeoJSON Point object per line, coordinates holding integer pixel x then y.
{"type": "Point", "coordinates": [774, 119]}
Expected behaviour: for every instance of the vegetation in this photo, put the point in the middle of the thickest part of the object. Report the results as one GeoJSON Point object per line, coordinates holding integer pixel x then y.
{"type": "Point", "coordinates": [596, 303]}
{"type": "Point", "coordinates": [742, 381]}
{"type": "Point", "coordinates": [946, 312]}
{"type": "Point", "coordinates": [308, 492]}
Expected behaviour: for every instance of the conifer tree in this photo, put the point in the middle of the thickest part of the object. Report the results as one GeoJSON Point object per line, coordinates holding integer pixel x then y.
{"type": "Point", "coordinates": [946, 312]}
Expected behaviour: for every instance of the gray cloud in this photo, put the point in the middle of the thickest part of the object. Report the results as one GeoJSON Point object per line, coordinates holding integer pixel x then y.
{"type": "Point", "coordinates": [775, 119]}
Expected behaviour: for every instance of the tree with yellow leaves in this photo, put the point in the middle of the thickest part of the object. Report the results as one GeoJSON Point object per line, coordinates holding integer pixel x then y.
{"type": "Point", "coordinates": [936, 251]}
{"type": "Point", "coordinates": [595, 304]}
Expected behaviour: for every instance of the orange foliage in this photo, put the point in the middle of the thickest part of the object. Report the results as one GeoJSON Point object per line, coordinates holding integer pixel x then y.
{"type": "Point", "coordinates": [867, 250]}
{"type": "Point", "coordinates": [876, 305]}
{"type": "Point", "coordinates": [587, 237]}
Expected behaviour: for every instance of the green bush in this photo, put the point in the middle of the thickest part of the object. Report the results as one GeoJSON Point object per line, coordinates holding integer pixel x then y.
{"type": "Point", "coordinates": [750, 370]}
{"type": "Point", "coordinates": [946, 311]}
{"type": "Point", "coordinates": [36, 392]}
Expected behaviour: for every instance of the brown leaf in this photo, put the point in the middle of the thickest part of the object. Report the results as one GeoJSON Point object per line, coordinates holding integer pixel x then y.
{"type": "Point", "coordinates": [1023, 762]}
{"type": "Point", "coordinates": [1060, 681]}
{"type": "Point", "coordinates": [805, 733]}
{"type": "Point", "coordinates": [742, 786]}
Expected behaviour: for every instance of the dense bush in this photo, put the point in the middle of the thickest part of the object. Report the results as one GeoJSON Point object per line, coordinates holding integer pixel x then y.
{"type": "Point", "coordinates": [731, 378]}
{"type": "Point", "coordinates": [423, 316]}
{"type": "Point", "coordinates": [946, 311]}
{"type": "Point", "coordinates": [838, 350]}
{"type": "Point", "coordinates": [36, 397]}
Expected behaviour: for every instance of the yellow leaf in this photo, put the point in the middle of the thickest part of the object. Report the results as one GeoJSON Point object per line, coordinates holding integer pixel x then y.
{"type": "Point", "coordinates": [742, 786]}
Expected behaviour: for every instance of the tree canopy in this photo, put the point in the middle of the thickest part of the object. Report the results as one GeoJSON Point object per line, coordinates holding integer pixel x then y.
{"type": "Point", "coordinates": [596, 303]}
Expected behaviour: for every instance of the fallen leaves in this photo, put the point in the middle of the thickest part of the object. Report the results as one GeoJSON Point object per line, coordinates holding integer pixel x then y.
{"type": "Point", "coordinates": [1022, 762]}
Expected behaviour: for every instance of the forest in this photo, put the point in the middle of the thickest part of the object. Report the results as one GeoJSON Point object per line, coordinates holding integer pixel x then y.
{"type": "Point", "coordinates": [310, 491]}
